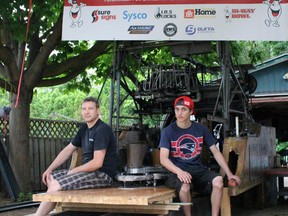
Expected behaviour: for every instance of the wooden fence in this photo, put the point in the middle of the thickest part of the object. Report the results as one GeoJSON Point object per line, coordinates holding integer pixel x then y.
{"type": "Point", "coordinates": [46, 139]}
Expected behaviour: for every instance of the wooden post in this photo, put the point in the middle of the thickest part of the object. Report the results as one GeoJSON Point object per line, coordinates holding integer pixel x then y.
{"type": "Point", "coordinates": [225, 204]}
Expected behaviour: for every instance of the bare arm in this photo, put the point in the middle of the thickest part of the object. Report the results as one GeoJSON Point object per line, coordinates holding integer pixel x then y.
{"type": "Point", "coordinates": [166, 162]}
{"type": "Point", "coordinates": [223, 164]}
{"type": "Point", "coordinates": [93, 165]}
{"type": "Point", "coordinates": [59, 160]}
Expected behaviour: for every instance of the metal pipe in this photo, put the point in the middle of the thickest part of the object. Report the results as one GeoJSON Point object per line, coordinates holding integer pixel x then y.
{"type": "Point", "coordinates": [111, 105]}
{"type": "Point", "coordinates": [237, 126]}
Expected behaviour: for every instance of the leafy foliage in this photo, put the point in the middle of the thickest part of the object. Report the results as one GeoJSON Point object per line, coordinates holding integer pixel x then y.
{"type": "Point", "coordinates": [22, 196]}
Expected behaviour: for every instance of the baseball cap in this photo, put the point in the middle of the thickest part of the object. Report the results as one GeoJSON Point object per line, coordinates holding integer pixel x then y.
{"type": "Point", "coordinates": [184, 101]}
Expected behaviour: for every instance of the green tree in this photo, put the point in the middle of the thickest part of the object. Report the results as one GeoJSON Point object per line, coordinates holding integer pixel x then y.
{"type": "Point", "coordinates": [57, 103]}
{"type": "Point", "coordinates": [48, 62]}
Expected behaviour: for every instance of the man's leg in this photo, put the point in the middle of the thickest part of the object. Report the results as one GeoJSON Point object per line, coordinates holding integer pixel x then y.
{"type": "Point", "coordinates": [216, 196]}
{"type": "Point", "coordinates": [46, 207]}
{"type": "Point", "coordinates": [185, 196]}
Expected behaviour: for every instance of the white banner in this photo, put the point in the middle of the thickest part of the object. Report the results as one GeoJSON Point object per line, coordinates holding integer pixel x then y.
{"type": "Point", "coordinates": [175, 20]}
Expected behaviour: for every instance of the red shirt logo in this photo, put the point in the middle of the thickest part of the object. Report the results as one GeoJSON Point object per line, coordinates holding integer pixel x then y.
{"type": "Point", "coordinates": [187, 146]}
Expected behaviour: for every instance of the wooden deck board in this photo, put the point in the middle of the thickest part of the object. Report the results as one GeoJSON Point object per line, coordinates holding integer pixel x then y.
{"type": "Point", "coordinates": [113, 196]}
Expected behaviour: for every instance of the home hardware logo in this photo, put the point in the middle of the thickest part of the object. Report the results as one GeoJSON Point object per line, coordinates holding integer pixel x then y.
{"type": "Point", "coordinates": [199, 13]}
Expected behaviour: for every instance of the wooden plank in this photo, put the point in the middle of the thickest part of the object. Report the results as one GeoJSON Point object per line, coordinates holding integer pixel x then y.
{"type": "Point", "coordinates": [76, 158]}
{"type": "Point", "coordinates": [151, 209]}
{"type": "Point", "coordinates": [53, 150]}
{"type": "Point", "coordinates": [117, 196]}
{"type": "Point", "coordinates": [47, 151]}
{"type": "Point", "coordinates": [244, 186]}
{"type": "Point", "coordinates": [161, 198]}
{"type": "Point", "coordinates": [42, 164]}
{"type": "Point", "coordinates": [225, 203]}
{"type": "Point", "coordinates": [277, 172]}
{"type": "Point", "coordinates": [35, 165]}
{"type": "Point", "coordinates": [128, 211]}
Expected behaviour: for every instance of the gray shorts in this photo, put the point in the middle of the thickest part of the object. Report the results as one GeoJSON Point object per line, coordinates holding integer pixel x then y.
{"type": "Point", "coordinates": [201, 180]}
{"type": "Point", "coordinates": [82, 180]}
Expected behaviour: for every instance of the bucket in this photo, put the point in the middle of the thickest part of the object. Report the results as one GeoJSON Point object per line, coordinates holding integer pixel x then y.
{"type": "Point", "coordinates": [135, 154]}
{"type": "Point", "coordinates": [156, 157]}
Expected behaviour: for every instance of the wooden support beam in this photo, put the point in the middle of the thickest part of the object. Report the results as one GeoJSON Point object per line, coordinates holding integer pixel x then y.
{"type": "Point", "coordinates": [245, 186]}
{"type": "Point", "coordinates": [225, 203]}
{"type": "Point", "coordinates": [150, 209]}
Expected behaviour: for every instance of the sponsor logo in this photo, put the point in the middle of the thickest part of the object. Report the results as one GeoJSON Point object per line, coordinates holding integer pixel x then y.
{"type": "Point", "coordinates": [205, 29]}
{"type": "Point", "coordinates": [199, 13]}
{"type": "Point", "coordinates": [236, 13]}
{"type": "Point", "coordinates": [191, 29]}
{"type": "Point", "coordinates": [102, 15]}
{"type": "Point", "coordinates": [133, 16]}
{"type": "Point", "coordinates": [164, 14]}
{"type": "Point", "coordinates": [274, 12]}
{"type": "Point", "coordinates": [170, 29]}
{"type": "Point", "coordinates": [140, 29]}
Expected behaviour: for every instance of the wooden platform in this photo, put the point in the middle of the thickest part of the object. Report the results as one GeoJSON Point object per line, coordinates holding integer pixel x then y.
{"type": "Point", "coordinates": [152, 200]}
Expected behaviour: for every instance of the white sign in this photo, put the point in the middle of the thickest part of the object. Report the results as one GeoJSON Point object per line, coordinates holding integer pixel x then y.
{"type": "Point", "coordinates": [175, 20]}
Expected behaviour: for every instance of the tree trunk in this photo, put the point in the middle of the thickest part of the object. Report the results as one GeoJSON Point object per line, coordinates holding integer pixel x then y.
{"type": "Point", "coordinates": [19, 139]}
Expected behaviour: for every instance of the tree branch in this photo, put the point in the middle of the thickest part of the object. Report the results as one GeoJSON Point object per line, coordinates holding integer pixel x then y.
{"type": "Point", "coordinates": [3, 73]}
{"type": "Point", "coordinates": [35, 43]}
{"type": "Point", "coordinates": [7, 86]}
{"type": "Point", "coordinates": [8, 59]}
{"type": "Point", "coordinates": [34, 74]}
{"type": "Point", "coordinates": [82, 60]}
{"type": "Point", "coordinates": [59, 81]}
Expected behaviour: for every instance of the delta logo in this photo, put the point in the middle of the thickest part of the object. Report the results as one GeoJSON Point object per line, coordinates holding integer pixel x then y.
{"type": "Point", "coordinates": [102, 15]}
{"type": "Point", "coordinates": [140, 29]}
{"type": "Point", "coordinates": [191, 29]}
{"type": "Point", "coordinates": [199, 13]}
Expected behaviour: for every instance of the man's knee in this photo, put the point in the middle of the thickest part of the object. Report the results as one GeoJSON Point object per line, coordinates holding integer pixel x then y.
{"type": "Point", "coordinates": [54, 186]}
{"type": "Point", "coordinates": [185, 188]}
{"type": "Point", "coordinates": [217, 182]}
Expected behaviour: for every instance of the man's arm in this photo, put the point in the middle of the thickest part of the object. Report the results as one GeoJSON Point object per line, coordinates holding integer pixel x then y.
{"type": "Point", "coordinates": [59, 160]}
{"type": "Point", "coordinates": [222, 163]}
{"type": "Point", "coordinates": [93, 165]}
{"type": "Point", "coordinates": [166, 162]}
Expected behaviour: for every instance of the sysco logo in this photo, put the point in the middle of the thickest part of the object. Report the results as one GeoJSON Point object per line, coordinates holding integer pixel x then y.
{"type": "Point", "coordinates": [132, 16]}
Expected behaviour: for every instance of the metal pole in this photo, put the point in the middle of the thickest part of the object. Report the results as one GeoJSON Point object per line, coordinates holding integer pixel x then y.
{"type": "Point", "coordinates": [112, 88]}
{"type": "Point", "coordinates": [118, 99]}
{"type": "Point", "coordinates": [226, 65]}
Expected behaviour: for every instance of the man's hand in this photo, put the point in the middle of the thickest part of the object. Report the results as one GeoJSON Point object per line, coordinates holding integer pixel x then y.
{"type": "Point", "coordinates": [46, 176]}
{"type": "Point", "coordinates": [234, 180]}
{"type": "Point", "coordinates": [184, 177]}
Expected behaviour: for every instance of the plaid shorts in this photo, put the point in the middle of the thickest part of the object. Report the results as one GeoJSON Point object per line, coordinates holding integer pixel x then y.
{"type": "Point", "coordinates": [82, 180]}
